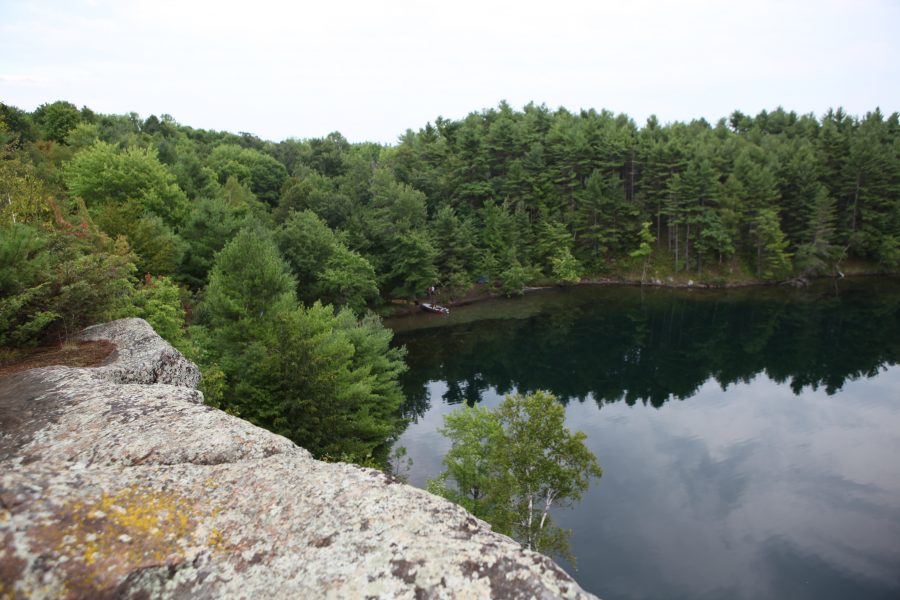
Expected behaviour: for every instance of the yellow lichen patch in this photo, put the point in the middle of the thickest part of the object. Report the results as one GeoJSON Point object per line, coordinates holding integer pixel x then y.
{"type": "Point", "coordinates": [136, 527]}
{"type": "Point", "coordinates": [214, 539]}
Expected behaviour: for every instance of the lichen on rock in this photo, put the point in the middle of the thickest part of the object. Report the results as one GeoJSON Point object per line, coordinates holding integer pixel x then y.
{"type": "Point", "coordinates": [118, 481]}
{"type": "Point", "coordinates": [141, 355]}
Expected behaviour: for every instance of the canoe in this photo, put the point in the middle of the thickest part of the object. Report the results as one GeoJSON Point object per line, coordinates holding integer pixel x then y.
{"type": "Point", "coordinates": [435, 308]}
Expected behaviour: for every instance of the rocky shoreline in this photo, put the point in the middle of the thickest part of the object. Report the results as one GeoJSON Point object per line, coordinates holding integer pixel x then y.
{"type": "Point", "coordinates": [117, 481]}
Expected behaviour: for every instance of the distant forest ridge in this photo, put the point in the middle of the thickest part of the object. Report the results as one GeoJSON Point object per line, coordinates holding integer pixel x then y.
{"type": "Point", "coordinates": [517, 196]}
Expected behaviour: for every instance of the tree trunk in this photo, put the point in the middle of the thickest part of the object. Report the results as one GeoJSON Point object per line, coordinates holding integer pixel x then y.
{"type": "Point", "coordinates": [546, 510]}
{"type": "Point", "coordinates": [855, 206]}
{"type": "Point", "coordinates": [529, 541]}
{"type": "Point", "coordinates": [676, 248]}
{"type": "Point", "coordinates": [658, 224]}
{"type": "Point", "coordinates": [631, 198]}
{"type": "Point", "coordinates": [758, 257]}
{"type": "Point", "coordinates": [687, 247]}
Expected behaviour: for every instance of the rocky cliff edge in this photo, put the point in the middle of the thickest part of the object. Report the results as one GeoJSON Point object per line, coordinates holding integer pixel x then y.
{"type": "Point", "coordinates": [117, 481]}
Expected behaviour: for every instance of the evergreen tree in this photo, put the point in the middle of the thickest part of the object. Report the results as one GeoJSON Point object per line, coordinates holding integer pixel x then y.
{"type": "Point", "coordinates": [248, 285]}
{"type": "Point", "coordinates": [818, 254]}
{"type": "Point", "coordinates": [454, 240]}
{"type": "Point", "coordinates": [604, 220]}
{"type": "Point", "coordinates": [210, 224]}
{"type": "Point", "coordinates": [772, 258]}
{"type": "Point", "coordinates": [645, 249]}
{"type": "Point", "coordinates": [326, 381]}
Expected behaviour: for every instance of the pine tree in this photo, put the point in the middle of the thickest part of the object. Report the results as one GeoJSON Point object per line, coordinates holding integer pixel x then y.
{"type": "Point", "coordinates": [772, 258]}
{"type": "Point", "coordinates": [819, 254]}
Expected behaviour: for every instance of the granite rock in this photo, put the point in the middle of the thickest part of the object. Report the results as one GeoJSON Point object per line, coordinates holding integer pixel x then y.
{"type": "Point", "coordinates": [141, 355]}
{"type": "Point", "coordinates": [118, 481]}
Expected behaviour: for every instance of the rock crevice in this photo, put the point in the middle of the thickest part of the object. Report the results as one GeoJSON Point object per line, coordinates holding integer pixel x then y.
{"type": "Point", "coordinates": [117, 481]}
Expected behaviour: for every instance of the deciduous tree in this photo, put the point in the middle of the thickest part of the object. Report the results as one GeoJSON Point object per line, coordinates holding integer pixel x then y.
{"type": "Point", "coordinates": [511, 465]}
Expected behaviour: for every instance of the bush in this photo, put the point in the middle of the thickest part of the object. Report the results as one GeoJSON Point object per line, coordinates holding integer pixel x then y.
{"type": "Point", "coordinates": [57, 282]}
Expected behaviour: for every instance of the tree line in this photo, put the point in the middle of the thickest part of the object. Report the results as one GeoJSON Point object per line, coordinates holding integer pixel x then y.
{"type": "Point", "coordinates": [568, 194]}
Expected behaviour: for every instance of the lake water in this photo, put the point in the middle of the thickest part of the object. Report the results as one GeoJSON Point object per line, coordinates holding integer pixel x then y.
{"type": "Point", "coordinates": [750, 439]}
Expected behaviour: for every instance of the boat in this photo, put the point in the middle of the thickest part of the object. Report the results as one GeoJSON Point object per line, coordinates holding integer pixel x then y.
{"type": "Point", "coordinates": [435, 308]}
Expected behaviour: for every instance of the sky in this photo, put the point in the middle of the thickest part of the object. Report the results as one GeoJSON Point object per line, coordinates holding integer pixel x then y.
{"type": "Point", "coordinates": [373, 69]}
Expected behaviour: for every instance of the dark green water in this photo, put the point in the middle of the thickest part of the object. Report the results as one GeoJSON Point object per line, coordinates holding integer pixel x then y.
{"type": "Point", "coordinates": [750, 439]}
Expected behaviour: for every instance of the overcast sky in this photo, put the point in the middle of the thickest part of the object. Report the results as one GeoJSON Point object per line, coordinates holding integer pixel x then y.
{"type": "Point", "coordinates": [374, 68]}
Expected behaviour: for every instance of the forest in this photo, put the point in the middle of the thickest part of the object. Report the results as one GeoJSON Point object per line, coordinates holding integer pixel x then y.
{"type": "Point", "coordinates": [266, 262]}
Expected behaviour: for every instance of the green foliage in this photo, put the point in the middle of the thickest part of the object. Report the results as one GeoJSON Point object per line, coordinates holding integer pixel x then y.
{"type": "Point", "coordinates": [818, 254]}
{"type": "Point", "coordinates": [24, 262]}
{"type": "Point", "coordinates": [325, 269]}
{"type": "Point", "coordinates": [645, 250]}
{"type": "Point", "coordinates": [511, 465]}
{"type": "Point", "coordinates": [604, 218]}
{"type": "Point", "coordinates": [157, 248]}
{"type": "Point", "coordinates": [249, 281]}
{"type": "Point", "coordinates": [83, 135]}
{"type": "Point", "coordinates": [396, 241]}
{"type": "Point", "coordinates": [326, 380]}
{"type": "Point", "coordinates": [313, 191]}
{"type": "Point", "coordinates": [211, 223]}
{"type": "Point", "coordinates": [56, 120]}
{"type": "Point", "coordinates": [307, 243]}
{"type": "Point", "coordinates": [185, 159]}
{"type": "Point", "coordinates": [348, 280]}
{"type": "Point", "coordinates": [773, 260]}
{"type": "Point", "coordinates": [92, 283]}
{"type": "Point", "coordinates": [102, 174]}
{"type": "Point", "coordinates": [328, 155]}
{"type": "Point", "coordinates": [16, 126]}
{"type": "Point", "coordinates": [533, 182]}
{"type": "Point", "coordinates": [454, 240]}
{"type": "Point", "coordinates": [264, 174]}
{"type": "Point", "coordinates": [646, 237]}
{"type": "Point", "coordinates": [408, 265]}
{"type": "Point", "coordinates": [158, 301]}
{"type": "Point", "coordinates": [214, 385]}
{"type": "Point", "coordinates": [513, 278]}
{"type": "Point", "coordinates": [475, 433]}
{"type": "Point", "coordinates": [716, 237]}
{"type": "Point", "coordinates": [498, 238]}
{"type": "Point", "coordinates": [57, 282]}
{"type": "Point", "coordinates": [547, 464]}
{"type": "Point", "coordinates": [23, 194]}
{"type": "Point", "coordinates": [565, 268]}
{"type": "Point", "coordinates": [552, 241]}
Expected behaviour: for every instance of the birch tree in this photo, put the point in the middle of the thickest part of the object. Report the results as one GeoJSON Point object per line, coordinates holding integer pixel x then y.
{"type": "Point", "coordinates": [512, 465]}
{"type": "Point", "coordinates": [547, 466]}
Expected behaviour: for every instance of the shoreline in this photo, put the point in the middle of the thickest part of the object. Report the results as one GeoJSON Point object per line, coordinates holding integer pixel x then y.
{"type": "Point", "coordinates": [470, 298]}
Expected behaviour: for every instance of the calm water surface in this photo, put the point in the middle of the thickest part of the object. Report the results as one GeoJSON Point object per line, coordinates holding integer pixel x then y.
{"type": "Point", "coordinates": [750, 440]}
